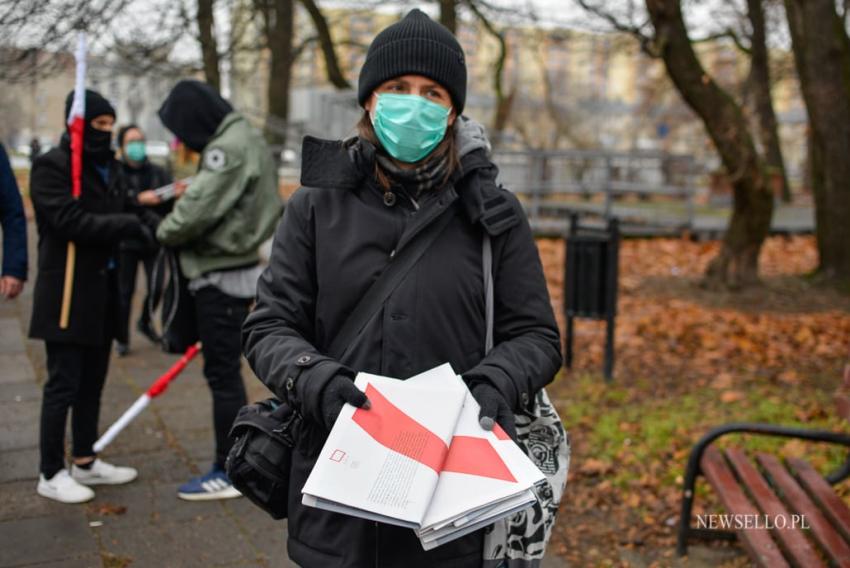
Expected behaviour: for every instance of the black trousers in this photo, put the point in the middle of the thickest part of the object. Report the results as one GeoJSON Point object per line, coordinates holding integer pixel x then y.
{"type": "Point", "coordinates": [75, 377]}
{"type": "Point", "coordinates": [220, 318]}
{"type": "Point", "coordinates": [128, 264]}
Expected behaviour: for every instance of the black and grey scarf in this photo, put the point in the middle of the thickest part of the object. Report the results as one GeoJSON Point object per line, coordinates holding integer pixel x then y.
{"type": "Point", "coordinates": [428, 176]}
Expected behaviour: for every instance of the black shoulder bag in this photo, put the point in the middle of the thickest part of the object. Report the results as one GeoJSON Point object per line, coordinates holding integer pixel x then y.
{"type": "Point", "coordinates": [266, 432]}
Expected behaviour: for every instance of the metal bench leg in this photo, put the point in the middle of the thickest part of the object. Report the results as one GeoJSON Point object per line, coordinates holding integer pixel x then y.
{"type": "Point", "coordinates": [840, 474]}
{"type": "Point", "coordinates": [687, 503]}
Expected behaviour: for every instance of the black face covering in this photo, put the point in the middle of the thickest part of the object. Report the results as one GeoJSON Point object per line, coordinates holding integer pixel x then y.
{"type": "Point", "coordinates": [193, 111]}
{"type": "Point", "coordinates": [97, 144]}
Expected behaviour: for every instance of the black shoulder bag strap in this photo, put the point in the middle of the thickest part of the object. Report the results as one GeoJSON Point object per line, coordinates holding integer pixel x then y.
{"type": "Point", "coordinates": [487, 270]}
{"type": "Point", "coordinates": [389, 279]}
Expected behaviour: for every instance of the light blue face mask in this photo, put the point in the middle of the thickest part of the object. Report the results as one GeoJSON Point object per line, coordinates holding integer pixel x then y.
{"type": "Point", "coordinates": [409, 126]}
{"type": "Point", "coordinates": [136, 151]}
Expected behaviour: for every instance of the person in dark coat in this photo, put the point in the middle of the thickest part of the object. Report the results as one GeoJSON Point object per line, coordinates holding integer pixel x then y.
{"type": "Point", "coordinates": [14, 224]}
{"type": "Point", "coordinates": [35, 149]}
{"type": "Point", "coordinates": [362, 201]}
{"type": "Point", "coordinates": [78, 355]}
{"type": "Point", "coordinates": [139, 177]}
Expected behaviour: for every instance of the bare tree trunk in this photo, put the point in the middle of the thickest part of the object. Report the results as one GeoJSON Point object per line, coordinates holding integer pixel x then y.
{"type": "Point", "coordinates": [335, 76]}
{"type": "Point", "coordinates": [737, 263]}
{"type": "Point", "coordinates": [761, 83]}
{"type": "Point", "coordinates": [448, 14]}
{"type": "Point", "coordinates": [504, 101]}
{"type": "Point", "coordinates": [279, 19]}
{"type": "Point", "coordinates": [822, 54]}
{"type": "Point", "coordinates": [209, 45]}
{"type": "Point", "coordinates": [817, 181]}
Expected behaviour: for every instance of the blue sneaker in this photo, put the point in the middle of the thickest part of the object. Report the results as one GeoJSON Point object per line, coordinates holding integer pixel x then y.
{"type": "Point", "coordinates": [212, 485]}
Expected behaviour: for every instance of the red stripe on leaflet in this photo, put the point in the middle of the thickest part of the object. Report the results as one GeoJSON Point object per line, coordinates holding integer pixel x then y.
{"type": "Point", "coordinates": [391, 427]}
{"type": "Point", "coordinates": [500, 434]}
{"type": "Point", "coordinates": [476, 456]}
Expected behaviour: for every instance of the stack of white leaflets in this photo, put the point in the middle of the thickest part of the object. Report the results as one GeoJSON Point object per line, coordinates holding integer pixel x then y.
{"type": "Point", "coordinates": [418, 458]}
{"type": "Point", "coordinates": [169, 191]}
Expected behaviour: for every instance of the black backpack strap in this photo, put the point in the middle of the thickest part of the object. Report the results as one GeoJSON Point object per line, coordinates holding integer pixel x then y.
{"type": "Point", "coordinates": [390, 278]}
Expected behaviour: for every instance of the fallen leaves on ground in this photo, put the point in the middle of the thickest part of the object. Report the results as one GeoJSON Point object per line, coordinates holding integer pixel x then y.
{"type": "Point", "coordinates": [104, 509]}
{"type": "Point", "coordinates": [688, 359]}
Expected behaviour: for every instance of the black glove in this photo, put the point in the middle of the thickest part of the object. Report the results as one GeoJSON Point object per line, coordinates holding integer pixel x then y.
{"type": "Point", "coordinates": [339, 390]}
{"type": "Point", "coordinates": [148, 218]}
{"type": "Point", "coordinates": [494, 408]}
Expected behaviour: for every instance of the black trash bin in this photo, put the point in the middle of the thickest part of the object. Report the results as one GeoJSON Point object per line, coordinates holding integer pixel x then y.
{"type": "Point", "coordinates": [590, 283]}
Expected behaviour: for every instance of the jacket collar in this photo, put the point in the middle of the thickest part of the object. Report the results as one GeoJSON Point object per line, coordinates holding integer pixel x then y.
{"type": "Point", "coordinates": [88, 165]}
{"type": "Point", "coordinates": [333, 164]}
{"type": "Point", "coordinates": [229, 120]}
{"type": "Point", "coordinates": [345, 164]}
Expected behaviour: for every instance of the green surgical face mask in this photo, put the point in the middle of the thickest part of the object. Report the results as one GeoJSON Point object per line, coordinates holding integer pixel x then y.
{"type": "Point", "coordinates": [136, 151]}
{"type": "Point", "coordinates": [409, 126]}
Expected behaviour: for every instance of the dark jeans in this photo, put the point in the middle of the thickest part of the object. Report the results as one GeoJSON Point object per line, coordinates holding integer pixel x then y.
{"type": "Point", "coordinates": [75, 377]}
{"type": "Point", "coordinates": [128, 264]}
{"type": "Point", "coordinates": [220, 318]}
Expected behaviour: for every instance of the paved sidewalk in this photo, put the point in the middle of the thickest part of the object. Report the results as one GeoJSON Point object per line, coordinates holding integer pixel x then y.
{"type": "Point", "coordinates": [140, 524]}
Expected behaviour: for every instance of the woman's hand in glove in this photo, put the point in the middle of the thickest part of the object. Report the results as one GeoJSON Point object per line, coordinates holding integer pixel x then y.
{"type": "Point", "coordinates": [494, 408]}
{"type": "Point", "coordinates": [336, 393]}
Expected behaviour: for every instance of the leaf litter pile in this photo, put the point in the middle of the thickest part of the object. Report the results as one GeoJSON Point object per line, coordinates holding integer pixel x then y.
{"type": "Point", "coordinates": [688, 359]}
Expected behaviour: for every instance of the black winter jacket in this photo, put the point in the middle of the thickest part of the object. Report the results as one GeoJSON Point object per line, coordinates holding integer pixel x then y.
{"type": "Point", "coordinates": [336, 236]}
{"type": "Point", "coordinates": [13, 222]}
{"type": "Point", "coordinates": [95, 222]}
{"type": "Point", "coordinates": [136, 180]}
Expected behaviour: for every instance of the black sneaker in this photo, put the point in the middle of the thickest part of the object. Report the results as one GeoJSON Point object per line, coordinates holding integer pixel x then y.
{"type": "Point", "coordinates": [123, 349]}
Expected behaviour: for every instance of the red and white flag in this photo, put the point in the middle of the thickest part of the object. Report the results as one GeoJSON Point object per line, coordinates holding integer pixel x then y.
{"type": "Point", "coordinates": [76, 118]}
{"type": "Point", "coordinates": [76, 127]}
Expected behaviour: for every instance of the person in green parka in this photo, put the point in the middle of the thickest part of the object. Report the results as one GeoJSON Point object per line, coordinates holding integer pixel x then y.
{"type": "Point", "coordinates": [230, 207]}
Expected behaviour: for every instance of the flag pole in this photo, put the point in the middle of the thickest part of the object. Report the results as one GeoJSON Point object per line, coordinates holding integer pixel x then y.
{"type": "Point", "coordinates": [76, 126]}
{"type": "Point", "coordinates": [68, 289]}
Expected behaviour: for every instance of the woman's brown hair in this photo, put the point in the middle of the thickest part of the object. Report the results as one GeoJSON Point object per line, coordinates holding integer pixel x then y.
{"type": "Point", "coordinates": [446, 147]}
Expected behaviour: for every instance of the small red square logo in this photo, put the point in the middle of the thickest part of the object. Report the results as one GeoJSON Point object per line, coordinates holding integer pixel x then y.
{"type": "Point", "coordinates": [337, 456]}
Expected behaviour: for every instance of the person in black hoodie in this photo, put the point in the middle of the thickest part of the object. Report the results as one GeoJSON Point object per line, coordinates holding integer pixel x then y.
{"type": "Point", "coordinates": [230, 207]}
{"type": "Point", "coordinates": [415, 163]}
{"type": "Point", "coordinates": [138, 178]}
{"type": "Point", "coordinates": [78, 355]}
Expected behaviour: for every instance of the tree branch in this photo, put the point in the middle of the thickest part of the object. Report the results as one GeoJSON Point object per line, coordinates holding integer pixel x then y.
{"type": "Point", "coordinates": [647, 43]}
{"type": "Point", "coordinates": [334, 73]}
{"type": "Point", "coordinates": [728, 33]}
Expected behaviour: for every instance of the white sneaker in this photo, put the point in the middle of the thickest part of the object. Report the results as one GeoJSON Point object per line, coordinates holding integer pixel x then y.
{"type": "Point", "coordinates": [102, 473]}
{"type": "Point", "coordinates": [62, 487]}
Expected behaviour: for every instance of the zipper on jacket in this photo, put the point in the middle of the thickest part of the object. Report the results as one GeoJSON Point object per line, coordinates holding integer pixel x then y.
{"type": "Point", "coordinates": [400, 189]}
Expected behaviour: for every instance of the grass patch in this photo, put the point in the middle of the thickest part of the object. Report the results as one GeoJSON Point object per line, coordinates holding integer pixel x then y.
{"type": "Point", "coordinates": [632, 429]}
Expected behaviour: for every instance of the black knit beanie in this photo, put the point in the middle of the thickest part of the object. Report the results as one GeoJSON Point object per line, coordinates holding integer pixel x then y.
{"type": "Point", "coordinates": [416, 45]}
{"type": "Point", "coordinates": [96, 105]}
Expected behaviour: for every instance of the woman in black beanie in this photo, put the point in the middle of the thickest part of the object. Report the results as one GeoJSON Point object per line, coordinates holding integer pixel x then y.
{"type": "Point", "coordinates": [415, 163]}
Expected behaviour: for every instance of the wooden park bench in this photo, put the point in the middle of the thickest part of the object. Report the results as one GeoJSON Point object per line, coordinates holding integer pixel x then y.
{"type": "Point", "coordinates": [816, 526]}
